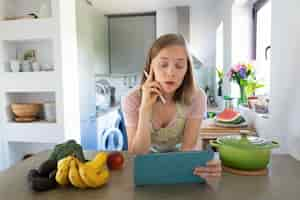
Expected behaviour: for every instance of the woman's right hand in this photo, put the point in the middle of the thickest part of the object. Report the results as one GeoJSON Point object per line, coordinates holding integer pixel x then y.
{"type": "Point", "coordinates": [151, 91]}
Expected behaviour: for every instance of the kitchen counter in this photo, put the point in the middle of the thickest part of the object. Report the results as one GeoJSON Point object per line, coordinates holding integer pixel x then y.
{"type": "Point", "coordinates": [282, 183]}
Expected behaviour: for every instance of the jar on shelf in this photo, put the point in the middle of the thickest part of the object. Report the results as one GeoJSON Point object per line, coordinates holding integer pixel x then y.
{"type": "Point", "coordinates": [229, 102]}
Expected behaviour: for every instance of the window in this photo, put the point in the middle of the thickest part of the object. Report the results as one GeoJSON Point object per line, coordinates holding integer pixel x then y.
{"type": "Point", "coordinates": [262, 44]}
{"type": "Point", "coordinates": [219, 53]}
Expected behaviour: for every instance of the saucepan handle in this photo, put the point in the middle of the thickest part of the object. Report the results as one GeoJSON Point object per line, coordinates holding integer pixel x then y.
{"type": "Point", "coordinates": [214, 143]}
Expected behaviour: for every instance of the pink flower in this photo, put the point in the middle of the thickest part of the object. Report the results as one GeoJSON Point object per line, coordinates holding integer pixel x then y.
{"type": "Point", "coordinates": [236, 68]}
{"type": "Point", "coordinates": [229, 74]}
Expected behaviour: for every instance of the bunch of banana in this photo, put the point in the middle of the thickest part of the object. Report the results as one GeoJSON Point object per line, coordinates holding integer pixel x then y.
{"type": "Point", "coordinates": [91, 174]}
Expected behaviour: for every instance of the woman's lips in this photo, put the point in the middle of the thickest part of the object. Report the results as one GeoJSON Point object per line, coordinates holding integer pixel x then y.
{"type": "Point", "coordinates": [169, 83]}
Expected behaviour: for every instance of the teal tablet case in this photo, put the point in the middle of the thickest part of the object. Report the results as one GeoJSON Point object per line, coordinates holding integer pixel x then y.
{"type": "Point", "coordinates": [169, 168]}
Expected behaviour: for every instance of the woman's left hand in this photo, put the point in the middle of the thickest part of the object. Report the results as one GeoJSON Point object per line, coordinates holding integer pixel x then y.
{"type": "Point", "coordinates": [211, 172]}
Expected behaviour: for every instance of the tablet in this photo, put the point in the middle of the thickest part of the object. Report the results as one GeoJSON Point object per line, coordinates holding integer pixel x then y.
{"type": "Point", "coordinates": [169, 168]}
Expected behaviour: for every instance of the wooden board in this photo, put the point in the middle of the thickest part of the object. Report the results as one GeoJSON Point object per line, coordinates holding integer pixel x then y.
{"type": "Point", "coordinates": [209, 126]}
{"type": "Point", "coordinates": [261, 172]}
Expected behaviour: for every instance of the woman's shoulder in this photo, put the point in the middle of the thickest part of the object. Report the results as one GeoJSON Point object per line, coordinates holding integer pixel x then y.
{"type": "Point", "coordinates": [133, 98]}
{"type": "Point", "coordinates": [199, 95]}
{"type": "Point", "coordinates": [197, 108]}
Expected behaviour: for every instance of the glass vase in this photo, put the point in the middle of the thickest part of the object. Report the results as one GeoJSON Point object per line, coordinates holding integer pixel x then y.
{"type": "Point", "coordinates": [243, 95]}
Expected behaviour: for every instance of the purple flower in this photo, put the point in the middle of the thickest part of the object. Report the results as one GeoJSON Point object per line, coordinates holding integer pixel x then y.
{"type": "Point", "coordinates": [242, 72]}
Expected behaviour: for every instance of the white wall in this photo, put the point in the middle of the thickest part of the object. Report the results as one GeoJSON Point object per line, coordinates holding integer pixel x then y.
{"type": "Point", "coordinates": [203, 26]}
{"type": "Point", "coordinates": [224, 13]}
{"type": "Point", "coordinates": [69, 70]}
{"type": "Point", "coordinates": [285, 95]}
{"type": "Point", "coordinates": [92, 58]}
{"type": "Point", "coordinates": [166, 21]}
{"type": "Point", "coordinates": [242, 31]}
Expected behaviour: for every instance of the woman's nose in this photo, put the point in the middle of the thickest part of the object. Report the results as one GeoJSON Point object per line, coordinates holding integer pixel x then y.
{"type": "Point", "coordinates": [171, 71]}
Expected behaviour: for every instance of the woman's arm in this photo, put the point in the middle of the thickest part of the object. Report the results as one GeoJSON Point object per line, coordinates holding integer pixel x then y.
{"type": "Point", "coordinates": [191, 133]}
{"type": "Point", "coordinates": [139, 139]}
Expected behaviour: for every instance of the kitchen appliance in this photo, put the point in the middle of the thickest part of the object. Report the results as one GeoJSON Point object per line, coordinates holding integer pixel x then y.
{"type": "Point", "coordinates": [103, 96]}
{"type": "Point", "coordinates": [244, 152]}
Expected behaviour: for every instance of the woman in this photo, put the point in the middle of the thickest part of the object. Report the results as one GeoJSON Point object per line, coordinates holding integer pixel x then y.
{"type": "Point", "coordinates": [165, 112]}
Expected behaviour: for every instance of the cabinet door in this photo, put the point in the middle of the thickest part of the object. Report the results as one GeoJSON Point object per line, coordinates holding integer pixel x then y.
{"type": "Point", "coordinates": [130, 38]}
{"type": "Point", "coordinates": [3, 153]}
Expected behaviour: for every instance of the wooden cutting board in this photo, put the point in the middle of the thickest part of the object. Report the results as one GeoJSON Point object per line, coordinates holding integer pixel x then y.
{"type": "Point", "coordinates": [209, 126]}
{"type": "Point", "coordinates": [260, 172]}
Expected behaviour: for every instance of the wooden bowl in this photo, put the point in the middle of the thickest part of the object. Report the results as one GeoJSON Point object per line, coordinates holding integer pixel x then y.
{"type": "Point", "coordinates": [26, 109]}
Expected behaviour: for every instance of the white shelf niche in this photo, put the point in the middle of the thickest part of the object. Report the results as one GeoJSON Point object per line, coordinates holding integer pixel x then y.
{"type": "Point", "coordinates": [14, 50]}
{"type": "Point", "coordinates": [20, 8]}
{"type": "Point", "coordinates": [32, 97]}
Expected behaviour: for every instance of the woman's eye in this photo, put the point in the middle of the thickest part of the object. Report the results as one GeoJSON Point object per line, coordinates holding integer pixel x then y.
{"type": "Point", "coordinates": [163, 65]}
{"type": "Point", "coordinates": [179, 66]}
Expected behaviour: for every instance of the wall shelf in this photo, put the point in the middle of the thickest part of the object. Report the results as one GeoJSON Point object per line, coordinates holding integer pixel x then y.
{"type": "Point", "coordinates": [14, 9]}
{"type": "Point", "coordinates": [29, 97]}
{"type": "Point", "coordinates": [29, 81]}
{"type": "Point", "coordinates": [15, 50]}
{"type": "Point", "coordinates": [34, 132]}
{"type": "Point", "coordinates": [27, 29]}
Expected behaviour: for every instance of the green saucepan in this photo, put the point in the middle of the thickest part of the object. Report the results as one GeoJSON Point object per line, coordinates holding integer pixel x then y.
{"type": "Point", "coordinates": [244, 152]}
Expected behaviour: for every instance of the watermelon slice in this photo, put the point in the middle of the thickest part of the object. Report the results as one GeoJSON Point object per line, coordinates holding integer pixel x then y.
{"type": "Point", "coordinates": [239, 120]}
{"type": "Point", "coordinates": [228, 115]}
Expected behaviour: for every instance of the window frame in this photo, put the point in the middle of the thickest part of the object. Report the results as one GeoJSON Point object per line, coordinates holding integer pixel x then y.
{"type": "Point", "coordinates": [256, 7]}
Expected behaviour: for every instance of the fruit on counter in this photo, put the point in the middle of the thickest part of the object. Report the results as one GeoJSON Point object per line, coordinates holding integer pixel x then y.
{"type": "Point", "coordinates": [229, 116]}
{"type": "Point", "coordinates": [82, 175]}
{"type": "Point", "coordinates": [74, 175]}
{"type": "Point", "coordinates": [38, 182]}
{"type": "Point", "coordinates": [92, 177]}
{"type": "Point", "coordinates": [52, 175]}
{"type": "Point", "coordinates": [63, 167]}
{"type": "Point", "coordinates": [115, 160]}
{"type": "Point", "coordinates": [66, 149]}
{"type": "Point", "coordinates": [46, 167]}
{"type": "Point", "coordinates": [99, 162]}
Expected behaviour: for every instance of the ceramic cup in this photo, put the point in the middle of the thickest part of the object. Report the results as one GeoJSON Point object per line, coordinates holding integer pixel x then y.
{"type": "Point", "coordinates": [15, 65]}
{"type": "Point", "coordinates": [36, 67]}
{"type": "Point", "coordinates": [26, 66]}
{"type": "Point", "coordinates": [50, 112]}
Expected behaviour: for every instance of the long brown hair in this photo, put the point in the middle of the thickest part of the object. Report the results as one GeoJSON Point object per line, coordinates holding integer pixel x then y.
{"type": "Point", "coordinates": [185, 92]}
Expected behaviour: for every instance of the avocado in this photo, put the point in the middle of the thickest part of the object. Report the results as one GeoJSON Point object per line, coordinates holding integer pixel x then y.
{"type": "Point", "coordinates": [32, 174]}
{"type": "Point", "coordinates": [46, 167]}
{"type": "Point", "coordinates": [39, 183]}
{"type": "Point", "coordinates": [52, 175]}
